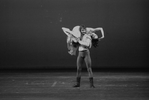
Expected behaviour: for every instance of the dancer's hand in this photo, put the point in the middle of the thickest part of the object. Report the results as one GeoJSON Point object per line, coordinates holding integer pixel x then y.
{"type": "Point", "coordinates": [100, 38]}
{"type": "Point", "coordinates": [65, 29]}
{"type": "Point", "coordinates": [78, 39]}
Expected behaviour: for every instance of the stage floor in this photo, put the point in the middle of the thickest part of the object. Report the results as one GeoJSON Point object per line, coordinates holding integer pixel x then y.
{"type": "Point", "coordinates": [58, 86]}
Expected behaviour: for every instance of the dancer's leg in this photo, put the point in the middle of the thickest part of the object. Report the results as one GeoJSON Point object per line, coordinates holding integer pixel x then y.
{"type": "Point", "coordinates": [88, 65]}
{"type": "Point", "coordinates": [80, 60]}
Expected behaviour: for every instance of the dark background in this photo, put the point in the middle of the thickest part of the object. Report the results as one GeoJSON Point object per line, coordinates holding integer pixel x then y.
{"type": "Point", "coordinates": [31, 35]}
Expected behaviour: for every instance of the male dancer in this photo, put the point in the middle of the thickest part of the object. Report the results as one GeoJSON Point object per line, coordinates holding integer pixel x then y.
{"type": "Point", "coordinates": [85, 42]}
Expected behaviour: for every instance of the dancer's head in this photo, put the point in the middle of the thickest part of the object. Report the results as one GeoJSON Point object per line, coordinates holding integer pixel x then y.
{"type": "Point", "coordinates": [82, 29]}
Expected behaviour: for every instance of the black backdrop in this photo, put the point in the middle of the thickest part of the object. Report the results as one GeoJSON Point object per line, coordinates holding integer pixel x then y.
{"type": "Point", "coordinates": [31, 35]}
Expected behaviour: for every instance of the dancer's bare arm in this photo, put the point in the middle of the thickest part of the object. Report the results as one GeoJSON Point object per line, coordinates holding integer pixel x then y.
{"type": "Point", "coordinates": [67, 31]}
{"type": "Point", "coordinates": [97, 29]}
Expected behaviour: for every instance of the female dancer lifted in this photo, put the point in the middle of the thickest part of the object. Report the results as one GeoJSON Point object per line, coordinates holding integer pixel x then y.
{"type": "Point", "coordinates": [83, 38]}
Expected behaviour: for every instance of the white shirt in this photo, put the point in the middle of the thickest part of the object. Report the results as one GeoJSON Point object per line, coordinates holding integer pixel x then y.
{"type": "Point", "coordinates": [86, 39]}
{"type": "Point", "coordinates": [85, 43]}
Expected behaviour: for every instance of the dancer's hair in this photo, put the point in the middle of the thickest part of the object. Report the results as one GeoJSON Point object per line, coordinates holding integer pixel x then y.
{"type": "Point", "coordinates": [82, 26]}
{"type": "Point", "coordinates": [95, 42]}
